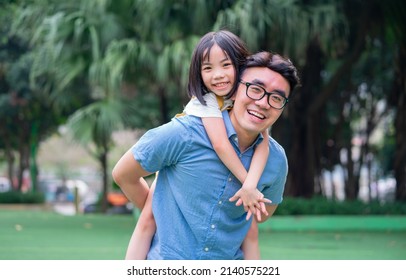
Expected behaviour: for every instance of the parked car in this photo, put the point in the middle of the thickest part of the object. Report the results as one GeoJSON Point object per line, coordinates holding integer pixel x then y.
{"type": "Point", "coordinates": [57, 190]}
{"type": "Point", "coordinates": [117, 204]}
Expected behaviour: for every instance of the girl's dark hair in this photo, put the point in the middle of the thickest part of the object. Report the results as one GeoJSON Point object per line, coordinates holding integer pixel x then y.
{"type": "Point", "coordinates": [232, 46]}
{"type": "Point", "coordinates": [276, 63]}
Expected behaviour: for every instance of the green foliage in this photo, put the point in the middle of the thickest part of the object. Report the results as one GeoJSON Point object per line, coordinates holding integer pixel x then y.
{"type": "Point", "coordinates": [14, 197]}
{"type": "Point", "coordinates": [323, 206]}
{"type": "Point", "coordinates": [130, 60]}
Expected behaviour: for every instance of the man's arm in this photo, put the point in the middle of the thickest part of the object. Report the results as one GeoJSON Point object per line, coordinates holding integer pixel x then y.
{"type": "Point", "coordinates": [128, 174]}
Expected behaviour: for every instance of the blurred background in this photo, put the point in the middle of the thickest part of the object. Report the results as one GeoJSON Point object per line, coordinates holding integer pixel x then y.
{"type": "Point", "coordinates": [81, 81]}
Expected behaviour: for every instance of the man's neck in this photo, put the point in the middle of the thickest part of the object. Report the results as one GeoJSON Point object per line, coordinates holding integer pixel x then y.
{"type": "Point", "coordinates": [245, 139]}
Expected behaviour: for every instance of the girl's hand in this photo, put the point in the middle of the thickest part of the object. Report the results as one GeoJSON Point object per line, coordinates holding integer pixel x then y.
{"type": "Point", "coordinates": [253, 201]}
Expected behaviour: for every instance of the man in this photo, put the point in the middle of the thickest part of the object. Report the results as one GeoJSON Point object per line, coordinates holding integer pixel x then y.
{"type": "Point", "coordinates": [193, 214]}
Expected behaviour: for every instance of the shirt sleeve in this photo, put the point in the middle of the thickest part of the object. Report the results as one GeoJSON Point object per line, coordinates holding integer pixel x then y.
{"type": "Point", "coordinates": [162, 146]}
{"type": "Point", "coordinates": [197, 109]}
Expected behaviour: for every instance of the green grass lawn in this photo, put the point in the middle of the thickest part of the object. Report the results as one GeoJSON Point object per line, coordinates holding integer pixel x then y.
{"type": "Point", "coordinates": [39, 235]}
{"type": "Point", "coordinates": [334, 238]}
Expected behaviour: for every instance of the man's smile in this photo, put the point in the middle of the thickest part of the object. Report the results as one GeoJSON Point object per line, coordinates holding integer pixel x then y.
{"type": "Point", "coordinates": [256, 114]}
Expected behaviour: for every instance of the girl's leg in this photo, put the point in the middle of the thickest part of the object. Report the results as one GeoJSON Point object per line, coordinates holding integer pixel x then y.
{"type": "Point", "coordinates": [141, 238]}
{"type": "Point", "coordinates": [250, 245]}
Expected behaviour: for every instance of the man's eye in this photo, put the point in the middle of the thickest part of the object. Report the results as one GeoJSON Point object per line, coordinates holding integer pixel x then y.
{"type": "Point", "coordinates": [277, 98]}
{"type": "Point", "coordinates": [255, 89]}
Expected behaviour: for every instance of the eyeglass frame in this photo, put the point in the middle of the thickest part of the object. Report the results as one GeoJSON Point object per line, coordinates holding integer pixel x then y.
{"type": "Point", "coordinates": [268, 94]}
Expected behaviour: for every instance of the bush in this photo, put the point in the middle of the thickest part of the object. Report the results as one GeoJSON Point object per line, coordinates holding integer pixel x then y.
{"type": "Point", "coordinates": [324, 206]}
{"type": "Point", "coordinates": [18, 197]}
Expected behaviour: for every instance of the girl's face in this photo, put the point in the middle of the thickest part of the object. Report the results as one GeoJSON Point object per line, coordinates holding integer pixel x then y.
{"type": "Point", "coordinates": [218, 72]}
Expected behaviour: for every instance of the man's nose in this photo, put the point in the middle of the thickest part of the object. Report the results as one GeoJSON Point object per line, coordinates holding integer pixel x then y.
{"type": "Point", "coordinates": [263, 102]}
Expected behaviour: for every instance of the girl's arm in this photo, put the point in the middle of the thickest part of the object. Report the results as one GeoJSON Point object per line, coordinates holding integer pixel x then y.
{"type": "Point", "coordinates": [144, 231]}
{"type": "Point", "coordinates": [258, 162]}
{"type": "Point", "coordinates": [250, 197]}
{"type": "Point", "coordinates": [216, 131]}
{"type": "Point", "coordinates": [254, 174]}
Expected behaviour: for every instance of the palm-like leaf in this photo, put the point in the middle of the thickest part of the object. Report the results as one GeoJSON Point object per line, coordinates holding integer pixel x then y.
{"type": "Point", "coordinates": [175, 58]}
{"type": "Point", "coordinates": [274, 24]}
{"type": "Point", "coordinates": [96, 122]}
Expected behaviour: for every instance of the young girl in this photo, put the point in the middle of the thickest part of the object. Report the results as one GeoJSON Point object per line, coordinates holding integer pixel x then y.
{"type": "Point", "coordinates": [213, 78]}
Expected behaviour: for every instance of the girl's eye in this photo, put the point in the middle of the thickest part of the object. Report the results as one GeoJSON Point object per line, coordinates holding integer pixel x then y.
{"type": "Point", "coordinates": [206, 68]}
{"type": "Point", "coordinates": [227, 64]}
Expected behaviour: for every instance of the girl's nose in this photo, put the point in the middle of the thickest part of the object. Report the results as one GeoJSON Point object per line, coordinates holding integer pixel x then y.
{"type": "Point", "coordinates": [219, 74]}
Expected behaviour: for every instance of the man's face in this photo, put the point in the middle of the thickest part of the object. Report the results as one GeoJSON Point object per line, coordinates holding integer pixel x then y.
{"type": "Point", "coordinates": [251, 117]}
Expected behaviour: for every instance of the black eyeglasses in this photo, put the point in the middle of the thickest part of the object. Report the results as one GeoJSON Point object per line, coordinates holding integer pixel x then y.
{"type": "Point", "coordinates": [256, 92]}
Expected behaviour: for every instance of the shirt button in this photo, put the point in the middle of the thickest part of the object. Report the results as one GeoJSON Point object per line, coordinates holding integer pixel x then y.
{"type": "Point", "coordinates": [206, 249]}
{"type": "Point", "coordinates": [213, 226]}
{"type": "Point", "coordinates": [229, 179]}
{"type": "Point", "coordinates": [220, 202]}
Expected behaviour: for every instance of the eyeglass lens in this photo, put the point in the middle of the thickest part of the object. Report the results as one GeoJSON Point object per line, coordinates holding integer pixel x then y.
{"type": "Point", "coordinates": [257, 93]}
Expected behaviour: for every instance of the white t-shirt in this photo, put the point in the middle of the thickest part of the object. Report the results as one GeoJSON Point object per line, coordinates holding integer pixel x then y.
{"type": "Point", "coordinates": [211, 109]}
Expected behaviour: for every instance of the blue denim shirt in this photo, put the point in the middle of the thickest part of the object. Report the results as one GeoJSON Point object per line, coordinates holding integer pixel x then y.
{"type": "Point", "coordinates": [194, 218]}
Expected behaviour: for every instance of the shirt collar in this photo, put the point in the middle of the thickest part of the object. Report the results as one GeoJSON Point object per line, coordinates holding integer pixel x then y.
{"type": "Point", "coordinates": [232, 134]}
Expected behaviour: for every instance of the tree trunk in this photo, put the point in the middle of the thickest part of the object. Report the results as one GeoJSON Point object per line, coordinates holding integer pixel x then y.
{"type": "Point", "coordinates": [10, 158]}
{"type": "Point", "coordinates": [105, 184]}
{"type": "Point", "coordinates": [163, 105]}
{"type": "Point", "coordinates": [351, 184]}
{"type": "Point", "coordinates": [400, 125]}
{"type": "Point", "coordinates": [33, 156]}
{"type": "Point", "coordinates": [302, 161]}
{"type": "Point", "coordinates": [23, 166]}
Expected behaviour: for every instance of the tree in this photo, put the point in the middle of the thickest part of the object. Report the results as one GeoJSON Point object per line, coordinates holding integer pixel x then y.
{"type": "Point", "coordinates": [80, 44]}
{"type": "Point", "coordinates": [396, 24]}
{"type": "Point", "coordinates": [134, 56]}
{"type": "Point", "coordinates": [274, 26]}
{"type": "Point", "coordinates": [23, 124]}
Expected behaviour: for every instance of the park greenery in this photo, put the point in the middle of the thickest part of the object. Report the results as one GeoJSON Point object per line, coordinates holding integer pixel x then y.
{"type": "Point", "coordinates": [291, 206]}
{"type": "Point", "coordinates": [100, 66]}
{"type": "Point", "coordinates": [38, 235]}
